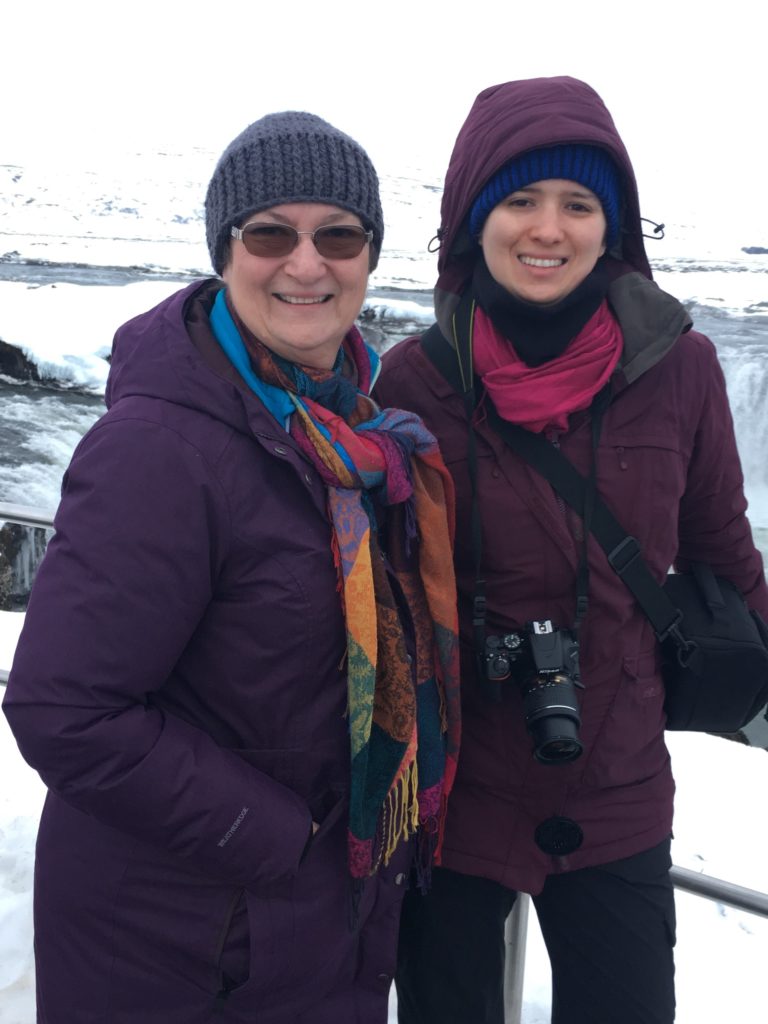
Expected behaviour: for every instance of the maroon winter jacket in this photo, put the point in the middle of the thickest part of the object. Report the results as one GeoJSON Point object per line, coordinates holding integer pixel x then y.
{"type": "Point", "coordinates": [667, 467]}
{"type": "Point", "coordinates": [179, 684]}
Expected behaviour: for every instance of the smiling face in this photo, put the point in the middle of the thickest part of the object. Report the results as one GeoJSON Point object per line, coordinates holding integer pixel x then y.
{"type": "Point", "coordinates": [541, 241]}
{"type": "Point", "coordinates": [300, 305]}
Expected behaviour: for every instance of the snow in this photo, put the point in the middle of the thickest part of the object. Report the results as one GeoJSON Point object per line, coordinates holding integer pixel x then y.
{"type": "Point", "coordinates": [720, 830]}
{"type": "Point", "coordinates": [21, 800]}
{"type": "Point", "coordinates": [141, 213]}
{"type": "Point", "coordinates": [75, 357]}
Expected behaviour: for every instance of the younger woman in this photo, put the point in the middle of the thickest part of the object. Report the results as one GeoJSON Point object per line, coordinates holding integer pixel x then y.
{"type": "Point", "coordinates": [542, 261]}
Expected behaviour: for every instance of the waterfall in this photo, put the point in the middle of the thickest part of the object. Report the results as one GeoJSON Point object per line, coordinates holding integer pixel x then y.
{"type": "Point", "coordinates": [28, 558]}
{"type": "Point", "coordinates": [21, 551]}
{"type": "Point", "coordinates": [746, 375]}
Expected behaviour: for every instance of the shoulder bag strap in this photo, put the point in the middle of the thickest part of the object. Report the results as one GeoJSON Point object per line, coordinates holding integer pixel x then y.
{"type": "Point", "coordinates": [622, 551]}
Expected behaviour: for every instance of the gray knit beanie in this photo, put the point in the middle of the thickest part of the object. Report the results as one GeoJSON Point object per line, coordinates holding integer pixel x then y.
{"type": "Point", "coordinates": [288, 158]}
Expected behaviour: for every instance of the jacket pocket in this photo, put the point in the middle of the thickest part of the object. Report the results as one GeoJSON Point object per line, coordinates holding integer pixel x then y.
{"type": "Point", "coordinates": [300, 938]}
{"type": "Point", "coordinates": [233, 946]}
{"type": "Point", "coordinates": [257, 952]}
{"type": "Point", "coordinates": [175, 933]}
{"type": "Point", "coordinates": [644, 483]}
{"type": "Point", "coordinates": [326, 814]}
{"type": "Point", "coordinates": [629, 747]}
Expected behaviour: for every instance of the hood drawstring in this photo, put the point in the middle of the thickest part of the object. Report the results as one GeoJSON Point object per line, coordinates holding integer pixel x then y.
{"type": "Point", "coordinates": [658, 229]}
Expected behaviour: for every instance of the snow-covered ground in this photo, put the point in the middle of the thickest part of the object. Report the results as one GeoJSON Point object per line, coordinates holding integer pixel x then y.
{"type": "Point", "coordinates": [721, 830]}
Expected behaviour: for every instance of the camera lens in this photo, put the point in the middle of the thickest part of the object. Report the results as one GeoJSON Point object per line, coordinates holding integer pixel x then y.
{"type": "Point", "coordinates": [559, 750]}
{"type": "Point", "coordinates": [552, 716]}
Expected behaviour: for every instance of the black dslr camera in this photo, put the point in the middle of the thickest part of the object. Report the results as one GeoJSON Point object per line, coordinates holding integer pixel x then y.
{"type": "Point", "coordinates": [545, 661]}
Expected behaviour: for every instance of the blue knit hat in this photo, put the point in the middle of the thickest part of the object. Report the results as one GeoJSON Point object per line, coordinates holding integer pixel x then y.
{"type": "Point", "coordinates": [588, 165]}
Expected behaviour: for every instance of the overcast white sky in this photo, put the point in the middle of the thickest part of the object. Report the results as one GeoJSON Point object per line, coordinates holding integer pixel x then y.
{"type": "Point", "coordinates": [685, 80]}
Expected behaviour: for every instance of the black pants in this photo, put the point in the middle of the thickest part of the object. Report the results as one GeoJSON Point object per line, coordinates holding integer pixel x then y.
{"type": "Point", "coordinates": [609, 932]}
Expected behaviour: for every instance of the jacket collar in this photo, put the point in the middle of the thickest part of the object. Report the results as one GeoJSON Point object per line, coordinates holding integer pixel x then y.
{"type": "Point", "coordinates": [651, 321]}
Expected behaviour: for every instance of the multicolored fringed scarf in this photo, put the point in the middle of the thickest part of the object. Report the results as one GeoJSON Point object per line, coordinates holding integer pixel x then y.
{"type": "Point", "coordinates": [404, 725]}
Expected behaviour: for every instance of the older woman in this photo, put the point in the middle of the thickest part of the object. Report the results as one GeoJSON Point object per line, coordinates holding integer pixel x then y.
{"type": "Point", "coordinates": [544, 279]}
{"type": "Point", "coordinates": [244, 614]}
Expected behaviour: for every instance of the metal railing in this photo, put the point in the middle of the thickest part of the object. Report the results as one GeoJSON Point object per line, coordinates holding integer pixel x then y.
{"type": "Point", "coordinates": [516, 931]}
{"type": "Point", "coordinates": [720, 891]}
{"type": "Point", "coordinates": [26, 515]}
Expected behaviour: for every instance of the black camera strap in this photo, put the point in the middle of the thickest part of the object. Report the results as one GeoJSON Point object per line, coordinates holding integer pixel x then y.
{"type": "Point", "coordinates": [622, 550]}
{"type": "Point", "coordinates": [456, 365]}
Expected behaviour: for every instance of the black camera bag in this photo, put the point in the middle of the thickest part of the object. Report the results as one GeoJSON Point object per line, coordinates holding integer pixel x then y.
{"type": "Point", "coordinates": [715, 649]}
{"type": "Point", "coordinates": [718, 683]}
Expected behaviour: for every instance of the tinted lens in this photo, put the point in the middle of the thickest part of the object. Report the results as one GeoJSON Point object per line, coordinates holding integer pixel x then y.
{"type": "Point", "coordinates": [335, 242]}
{"type": "Point", "coordinates": [269, 239]}
{"type": "Point", "coordinates": [340, 242]}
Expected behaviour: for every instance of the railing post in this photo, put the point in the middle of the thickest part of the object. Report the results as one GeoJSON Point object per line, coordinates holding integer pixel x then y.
{"type": "Point", "coordinates": [515, 938]}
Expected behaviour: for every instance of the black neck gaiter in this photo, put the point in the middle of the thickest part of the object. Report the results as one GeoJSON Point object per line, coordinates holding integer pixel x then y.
{"type": "Point", "coordinates": [539, 332]}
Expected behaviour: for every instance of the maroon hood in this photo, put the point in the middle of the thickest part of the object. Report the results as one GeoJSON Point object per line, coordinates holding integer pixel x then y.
{"type": "Point", "coordinates": [505, 121]}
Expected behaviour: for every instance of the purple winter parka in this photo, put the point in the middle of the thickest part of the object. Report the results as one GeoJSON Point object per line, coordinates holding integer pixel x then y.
{"type": "Point", "coordinates": [666, 466]}
{"type": "Point", "coordinates": [180, 686]}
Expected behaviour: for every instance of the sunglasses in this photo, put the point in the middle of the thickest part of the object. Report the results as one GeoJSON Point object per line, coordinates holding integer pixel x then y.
{"type": "Point", "coordinates": [335, 242]}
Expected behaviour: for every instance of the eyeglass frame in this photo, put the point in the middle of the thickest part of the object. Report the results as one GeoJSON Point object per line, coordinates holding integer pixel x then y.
{"type": "Point", "coordinates": [236, 232]}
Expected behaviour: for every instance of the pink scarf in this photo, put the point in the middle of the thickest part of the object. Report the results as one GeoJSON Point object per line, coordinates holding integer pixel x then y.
{"type": "Point", "coordinates": [543, 397]}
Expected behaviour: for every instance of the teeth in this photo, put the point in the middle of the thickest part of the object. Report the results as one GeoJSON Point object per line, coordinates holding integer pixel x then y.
{"type": "Point", "coordinates": [531, 261]}
{"type": "Point", "coordinates": [295, 300]}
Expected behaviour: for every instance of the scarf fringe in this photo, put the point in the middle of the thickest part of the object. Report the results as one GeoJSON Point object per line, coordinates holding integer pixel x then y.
{"type": "Point", "coordinates": [401, 818]}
